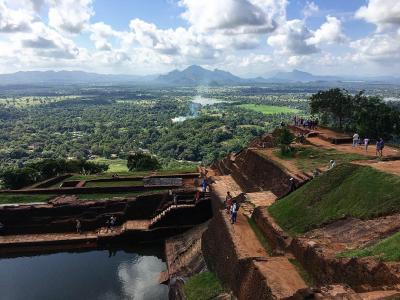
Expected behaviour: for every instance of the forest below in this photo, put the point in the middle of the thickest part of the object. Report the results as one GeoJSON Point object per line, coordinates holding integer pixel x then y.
{"type": "Point", "coordinates": [111, 124]}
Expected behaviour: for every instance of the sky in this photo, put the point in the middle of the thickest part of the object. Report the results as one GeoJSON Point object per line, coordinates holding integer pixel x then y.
{"type": "Point", "coordinates": [246, 37]}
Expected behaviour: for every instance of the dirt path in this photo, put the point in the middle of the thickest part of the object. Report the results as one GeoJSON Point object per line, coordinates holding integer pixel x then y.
{"type": "Point", "coordinates": [388, 151]}
{"type": "Point", "coordinates": [351, 233]}
{"type": "Point", "coordinates": [287, 164]}
{"type": "Point", "coordinates": [392, 167]}
{"type": "Point", "coordinates": [280, 275]}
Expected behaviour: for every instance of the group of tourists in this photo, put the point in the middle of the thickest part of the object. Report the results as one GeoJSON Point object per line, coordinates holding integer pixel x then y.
{"type": "Point", "coordinates": [380, 144]}
{"type": "Point", "coordinates": [231, 207]}
{"type": "Point", "coordinates": [306, 123]}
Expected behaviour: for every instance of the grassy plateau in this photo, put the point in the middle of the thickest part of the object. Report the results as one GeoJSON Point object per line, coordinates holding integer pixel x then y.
{"type": "Point", "coordinates": [348, 190]}
{"type": "Point", "coordinates": [387, 250]}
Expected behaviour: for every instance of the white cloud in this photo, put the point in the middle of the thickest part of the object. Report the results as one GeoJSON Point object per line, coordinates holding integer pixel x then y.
{"type": "Point", "coordinates": [46, 42]}
{"type": "Point", "coordinates": [330, 32]}
{"type": "Point", "coordinates": [101, 33]}
{"type": "Point", "coordinates": [291, 39]}
{"type": "Point", "coordinates": [382, 46]}
{"type": "Point", "coordinates": [379, 48]}
{"type": "Point", "coordinates": [233, 16]}
{"type": "Point", "coordinates": [310, 9]}
{"type": "Point", "coordinates": [382, 13]}
{"type": "Point", "coordinates": [14, 20]}
{"type": "Point", "coordinates": [70, 16]}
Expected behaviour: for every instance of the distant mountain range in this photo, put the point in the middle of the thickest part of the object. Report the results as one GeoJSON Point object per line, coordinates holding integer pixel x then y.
{"type": "Point", "coordinates": [191, 76]}
{"type": "Point", "coordinates": [68, 77]}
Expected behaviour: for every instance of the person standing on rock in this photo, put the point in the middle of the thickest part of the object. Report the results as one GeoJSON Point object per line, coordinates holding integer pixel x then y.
{"type": "Point", "coordinates": [356, 138]}
{"type": "Point", "coordinates": [78, 226]}
{"type": "Point", "coordinates": [113, 222]}
{"type": "Point", "coordinates": [234, 209]}
{"type": "Point", "coordinates": [366, 144]}
{"type": "Point", "coordinates": [204, 185]}
{"type": "Point", "coordinates": [380, 144]}
{"type": "Point", "coordinates": [292, 184]}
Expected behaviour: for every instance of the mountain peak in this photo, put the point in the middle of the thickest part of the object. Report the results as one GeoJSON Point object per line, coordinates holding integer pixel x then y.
{"type": "Point", "coordinates": [195, 68]}
{"type": "Point", "coordinates": [197, 75]}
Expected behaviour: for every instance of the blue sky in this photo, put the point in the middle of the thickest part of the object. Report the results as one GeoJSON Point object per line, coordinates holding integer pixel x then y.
{"type": "Point", "coordinates": [246, 37]}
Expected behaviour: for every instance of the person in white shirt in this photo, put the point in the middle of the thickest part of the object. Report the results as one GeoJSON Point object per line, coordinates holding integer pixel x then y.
{"type": "Point", "coordinates": [366, 143]}
{"type": "Point", "coordinates": [234, 209]}
{"type": "Point", "coordinates": [356, 139]}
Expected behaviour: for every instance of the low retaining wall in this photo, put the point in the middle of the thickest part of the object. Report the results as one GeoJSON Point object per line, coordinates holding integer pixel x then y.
{"type": "Point", "coordinates": [50, 182]}
{"type": "Point", "coordinates": [360, 274]}
{"type": "Point", "coordinates": [263, 172]}
{"type": "Point", "coordinates": [241, 275]}
{"type": "Point", "coordinates": [276, 237]}
{"type": "Point", "coordinates": [87, 190]}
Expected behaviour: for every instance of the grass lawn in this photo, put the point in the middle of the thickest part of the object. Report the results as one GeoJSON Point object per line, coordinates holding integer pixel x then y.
{"type": "Point", "coordinates": [270, 109]}
{"type": "Point", "coordinates": [202, 286]}
{"type": "Point", "coordinates": [114, 165]}
{"type": "Point", "coordinates": [347, 190]}
{"type": "Point", "coordinates": [169, 171]}
{"type": "Point", "coordinates": [309, 158]}
{"type": "Point", "coordinates": [23, 198]}
{"type": "Point", "coordinates": [387, 250]}
{"type": "Point", "coordinates": [114, 183]}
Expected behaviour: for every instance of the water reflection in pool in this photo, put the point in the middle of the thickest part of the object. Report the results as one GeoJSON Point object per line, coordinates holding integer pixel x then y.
{"type": "Point", "coordinates": [97, 274]}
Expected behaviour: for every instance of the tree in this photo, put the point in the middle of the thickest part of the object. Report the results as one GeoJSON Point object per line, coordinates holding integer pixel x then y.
{"type": "Point", "coordinates": [334, 105]}
{"type": "Point", "coordinates": [284, 140]}
{"type": "Point", "coordinates": [18, 178]}
{"type": "Point", "coordinates": [369, 116]}
{"type": "Point", "coordinates": [140, 161]}
{"type": "Point", "coordinates": [374, 118]}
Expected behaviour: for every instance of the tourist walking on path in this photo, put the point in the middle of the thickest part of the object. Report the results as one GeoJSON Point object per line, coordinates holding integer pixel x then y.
{"type": "Point", "coordinates": [380, 144]}
{"type": "Point", "coordinates": [204, 185]}
{"type": "Point", "coordinates": [366, 144]}
{"type": "Point", "coordinates": [78, 226]}
{"type": "Point", "coordinates": [356, 140]}
{"type": "Point", "coordinates": [175, 199]}
{"type": "Point", "coordinates": [234, 209]}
